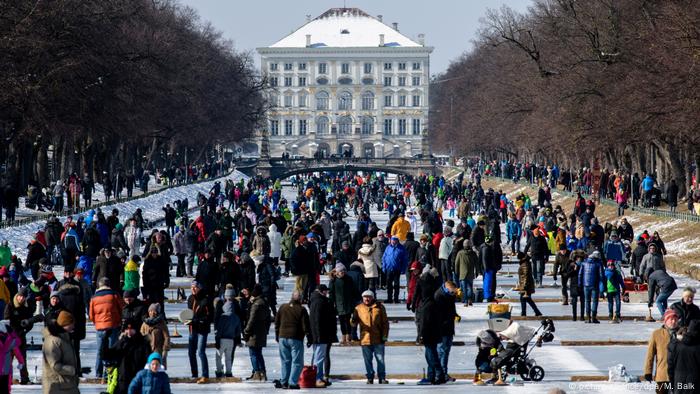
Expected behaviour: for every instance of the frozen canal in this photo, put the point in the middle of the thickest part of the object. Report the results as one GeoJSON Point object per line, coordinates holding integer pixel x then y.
{"type": "Point", "coordinates": [560, 362]}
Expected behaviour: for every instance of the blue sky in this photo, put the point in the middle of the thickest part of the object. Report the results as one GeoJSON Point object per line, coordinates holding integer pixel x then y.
{"type": "Point", "coordinates": [449, 25]}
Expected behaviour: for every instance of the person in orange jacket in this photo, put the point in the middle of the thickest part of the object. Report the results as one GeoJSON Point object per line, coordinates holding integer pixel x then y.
{"type": "Point", "coordinates": [106, 313]}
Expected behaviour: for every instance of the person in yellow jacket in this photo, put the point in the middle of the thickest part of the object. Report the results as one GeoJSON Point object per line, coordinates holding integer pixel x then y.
{"type": "Point", "coordinates": [371, 316]}
{"type": "Point", "coordinates": [401, 228]}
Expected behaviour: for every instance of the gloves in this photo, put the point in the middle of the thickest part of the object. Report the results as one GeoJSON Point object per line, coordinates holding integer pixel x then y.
{"type": "Point", "coordinates": [458, 318]}
{"type": "Point", "coordinates": [648, 377]}
{"type": "Point", "coordinates": [384, 339]}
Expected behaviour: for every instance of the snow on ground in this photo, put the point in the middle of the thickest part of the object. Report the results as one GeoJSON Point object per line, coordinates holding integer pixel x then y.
{"type": "Point", "coordinates": [19, 236]}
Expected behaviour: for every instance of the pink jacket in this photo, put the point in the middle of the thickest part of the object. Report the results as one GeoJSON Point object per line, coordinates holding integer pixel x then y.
{"type": "Point", "coordinates": [9, 345]}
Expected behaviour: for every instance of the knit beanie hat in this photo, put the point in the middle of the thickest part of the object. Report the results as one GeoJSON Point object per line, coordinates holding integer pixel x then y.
{"type": "Point", "coordinates": [155, 356]}
{"type": "Point", "coordinates": [154, 307]}
{"type": "Point", "coordinates": [340, 267]}
{"type": "Point", "coordinates": [65, 319]}
{"type": "Point", "coordinates": [669, 314]}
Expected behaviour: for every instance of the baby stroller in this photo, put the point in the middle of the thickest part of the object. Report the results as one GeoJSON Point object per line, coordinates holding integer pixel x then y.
{"type": "Point", "coordinates": [514, 358]}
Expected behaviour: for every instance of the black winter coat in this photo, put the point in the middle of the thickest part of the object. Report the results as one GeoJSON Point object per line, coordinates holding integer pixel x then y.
{"type": "Point", "coordinates": [445, 305]}
{"type": "Point", "coordinates": [683, 361]}
{"type": "Point", "coordinates": [156, 274]}
{"type": "Point", "coordinates": [207, 275]}
{"type": "Point", "coordinates": [131, 354]}
{"type": "Point", "coordinates": [322, 319]}
{"type": "Point", "coordinates": [301, 260]}
{"type": "Point", "coordinates": [266, 279]}
{"type": "Point", "coordinates": [246, 280]}
{"type": "Point", "coordinates": [136, 311]}
{"type": "Point", "coordinates": [429, 314]}
{"type": "Point", "coordinates": [71, 296]}
{"type": "Point", "coordinates": [686, 313]}
{"type": "Point", "coordinates": [111, 268]}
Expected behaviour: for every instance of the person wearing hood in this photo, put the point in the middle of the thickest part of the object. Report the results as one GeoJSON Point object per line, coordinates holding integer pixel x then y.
{"type": "Point", "coordinates": [152, 379]}
{"type": "Point", "coordinates": [430, 336]}
{"type": "Point", "coordinates": [370, 268]}
{"type": "Point", "coordinates": [275, 243]}
{"type": "Point", "coordinates": [590, 276]}
{"type": "Point", "coordinates": [10, 345]}
{"type": "Point", "coordinates": [155, 330]}
{"type": "Point", "coordinates": [132, 235]}
{"type": "Point", "coordinates": [684, 358]}
{"type": "Point", "coordinates": [656, 360]}
{"type": "Point", "coordinates": [652, 261]}
{"type": "Point", "coordinates": [129, 353]}
{"type": "Point", "coordinates": [60, 362]}
{"type": "Point", "coordinates": [36, 253]}
{"type": "Point", "coordinates": [227, 332]}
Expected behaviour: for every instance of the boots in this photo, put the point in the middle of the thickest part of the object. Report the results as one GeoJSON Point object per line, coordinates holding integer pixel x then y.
{"type": "Point", "coordinates": [263, 376]}
{"type": "Point", "coordinates": [477, 380]}
{"type": "Point", "coordinates": [615, 320]}
{"type": "Point", "coordinates": [588, 319]}
{"type": "Point", "coordinates": [595, 320]}
{"type": "Point", "coordinates": [565, 301]}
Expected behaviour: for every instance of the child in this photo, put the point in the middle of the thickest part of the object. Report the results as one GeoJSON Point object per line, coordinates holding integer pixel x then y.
{"type": "Point", "coordinates": [227, 333]}
{"type": "Point", "coordinates": [614, 284]}
{"type": "Point", "coordinates": [9, 345]}
{"type": "Point", "coordinates": [451, 206]}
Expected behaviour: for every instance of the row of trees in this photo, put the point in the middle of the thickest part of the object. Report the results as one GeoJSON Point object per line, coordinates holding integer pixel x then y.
{"type": "Point", "coordinates": [571, 80]}
{"type": "Point", "coordinates": [99, 85]}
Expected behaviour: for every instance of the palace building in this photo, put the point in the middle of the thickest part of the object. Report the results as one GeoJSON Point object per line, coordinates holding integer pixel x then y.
{"type": "Point", "coordinates": [345, 82]}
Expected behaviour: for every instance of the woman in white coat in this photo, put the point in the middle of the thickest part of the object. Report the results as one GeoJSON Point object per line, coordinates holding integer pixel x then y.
{"type": "Point", "coordinates": [275, 243]}
{"type": "Point", "coordinates": [366, 255]}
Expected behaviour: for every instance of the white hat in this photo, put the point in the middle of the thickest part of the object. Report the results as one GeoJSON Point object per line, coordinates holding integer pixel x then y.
{"type": "Point", "coordinates": [368, 293]}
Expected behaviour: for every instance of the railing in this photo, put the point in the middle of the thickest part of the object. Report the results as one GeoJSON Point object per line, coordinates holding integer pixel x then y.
{"type": "Point", "coordinates": [389, 161]}
{"type": "Point", "coordinates": [45, 216]}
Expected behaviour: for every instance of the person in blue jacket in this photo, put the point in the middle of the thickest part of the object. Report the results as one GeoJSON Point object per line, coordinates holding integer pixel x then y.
{"type": "Point", "coordinates": [647, 187]}
{"type": "Point", "coordinates": [590, 277]}
{"type": "Point", "coordinates": [514, 232]}
{"type": "Point", "coordinates": [394, 264]}
{"type": "Point", "coordinates": [152, 379]}
{"type": "Point", "coordinates": [614, 285]}
{"type": "Point", "coordinates": [614, 249]}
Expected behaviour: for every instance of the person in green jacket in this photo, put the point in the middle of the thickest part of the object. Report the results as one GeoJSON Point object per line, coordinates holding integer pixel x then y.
{"type": "Point", "coordinates": [467, 269]}
{"type": "Point", "coordinates": [5, 254]}
{"type": "Point", "coordinates": [131, 274]}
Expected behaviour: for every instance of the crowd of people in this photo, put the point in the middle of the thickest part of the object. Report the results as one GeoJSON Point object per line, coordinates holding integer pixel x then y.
{"type": "Point", "coordinates": [620, 186]}
{"type": "Point", "coordinates": [76, 193]}
{"type": "Point", "coordinates": [440, 236]}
